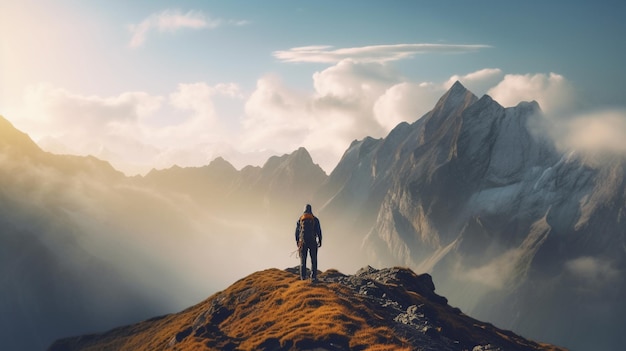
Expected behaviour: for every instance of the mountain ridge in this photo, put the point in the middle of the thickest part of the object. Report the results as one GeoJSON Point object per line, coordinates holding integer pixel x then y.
{"type": "Point", "coordinates": [387, 309]}
{"type": "Point", "coordinates": [472, 185]}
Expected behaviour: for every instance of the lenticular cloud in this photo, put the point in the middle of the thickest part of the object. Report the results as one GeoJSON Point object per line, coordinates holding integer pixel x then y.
{"type": "Point", "coordinates": [372, 53]}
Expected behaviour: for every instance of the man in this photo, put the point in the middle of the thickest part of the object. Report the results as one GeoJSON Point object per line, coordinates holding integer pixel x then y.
{"type": "Point", "coordinates": [308, 239]}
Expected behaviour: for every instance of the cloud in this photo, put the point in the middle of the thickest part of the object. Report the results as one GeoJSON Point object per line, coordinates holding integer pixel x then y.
{"type": "Point", "coordinates": [198, 98]}
{"type": "Point", "coordinates": [135, 131]}
{"type": "Point", "coordinates": [350, 79]}
{"type": "Point", "coordinates": [325, 121]}
{"type": "Point", "coordinates": [498, 273]}
{"type": "Point", "coordinates": [343, 103]}
{"type": "Point", "coordinates": [59, 111]}
{"type": "Point", "coordinates": [276, 117]}
{"type": "Point", "coordinates": [553, 92]}
{"type": "Point", "coordinates": [596, 132]}
{"type": "Point", "coordinates": [592, 273]}
{"type": "Point", "coordinates": [373, 53]}
{"type": "Point", "coordinates": [405, 102]}
{"type": "Point", "coordinates": [174, 20]}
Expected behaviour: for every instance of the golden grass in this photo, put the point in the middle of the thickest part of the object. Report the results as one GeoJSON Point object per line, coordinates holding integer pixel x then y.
{"type": "Point", "coordinates": [301, 311]}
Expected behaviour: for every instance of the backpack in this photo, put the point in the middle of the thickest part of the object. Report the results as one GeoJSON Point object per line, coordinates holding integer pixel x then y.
{"type": "Point", "coordinates": [307, 229]}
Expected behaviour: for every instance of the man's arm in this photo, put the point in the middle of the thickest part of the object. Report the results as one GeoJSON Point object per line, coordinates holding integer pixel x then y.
{"type": "Point", "coordinates": [297, 231]}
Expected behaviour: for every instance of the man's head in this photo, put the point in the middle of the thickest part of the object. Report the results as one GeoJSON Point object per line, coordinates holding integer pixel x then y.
{"type": "Point", "coordinates": [307, 209]}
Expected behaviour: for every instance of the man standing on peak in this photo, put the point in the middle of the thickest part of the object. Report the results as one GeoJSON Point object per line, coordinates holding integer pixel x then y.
{"type": "Point", "coordinates": [308, 238]}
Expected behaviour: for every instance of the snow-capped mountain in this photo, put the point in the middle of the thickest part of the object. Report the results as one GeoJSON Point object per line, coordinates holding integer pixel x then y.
{"type": "Point", "coordinates": [513, 230]}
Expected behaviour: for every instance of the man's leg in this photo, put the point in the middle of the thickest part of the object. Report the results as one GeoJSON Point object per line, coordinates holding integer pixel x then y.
{"type": "Point", "coordinates": [303, 254]}
{"type": "Point", "coordinates": [313, 262]}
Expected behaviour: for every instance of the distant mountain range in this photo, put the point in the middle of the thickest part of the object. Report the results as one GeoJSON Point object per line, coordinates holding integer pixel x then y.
{"type": "Point", "coordinates": [272, 310]}
{"type": "Point", "coordinates": [85, 248]}
{"type": "Point", "coordinates": [513, 230]}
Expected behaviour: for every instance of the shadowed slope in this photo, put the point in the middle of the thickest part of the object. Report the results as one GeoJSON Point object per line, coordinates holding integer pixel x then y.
{"type": "Point", "coordinates": [389, 309]}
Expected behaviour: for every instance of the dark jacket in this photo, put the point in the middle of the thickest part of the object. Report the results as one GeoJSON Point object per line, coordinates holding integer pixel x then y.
{"type": "Point", "coordinates": [312, 230]}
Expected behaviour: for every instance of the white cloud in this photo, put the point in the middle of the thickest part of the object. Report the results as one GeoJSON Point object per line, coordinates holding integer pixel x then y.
{"type": "Point", "coordinates": [325, 121]}
{"type": "Point", "coordinates": [405, 102]}
{"type": "Point", "coordinates": [198, 98]}
{"type": "Point", "coordinates": [373, 53]}
{"type": "Point", "coordinates": [58, 110]}
{"type": "Point", "coordinates": [344, 98]}
{"type": "Point", "coordinates": [353, 80]}
{"type": "Point", "coordinates": [595, 132]}
{"type": "Point", "coordinates": [173, 20]}
{"type": "Point", "coordinates": [553, 92]}
{"type": "Point", "coordinates": [592, 132]}
{"type": "Point", "coordinates": [276, 117]}
{"type": "Point", "coordinates": [111, 128]}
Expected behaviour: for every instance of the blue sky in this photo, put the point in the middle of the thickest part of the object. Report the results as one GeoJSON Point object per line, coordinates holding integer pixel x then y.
{"type": "Point", "coordinates": [154, 83]}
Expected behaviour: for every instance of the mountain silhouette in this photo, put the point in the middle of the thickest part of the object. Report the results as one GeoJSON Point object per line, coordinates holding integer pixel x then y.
{"type": "Point", "coordinates": [387, 309]}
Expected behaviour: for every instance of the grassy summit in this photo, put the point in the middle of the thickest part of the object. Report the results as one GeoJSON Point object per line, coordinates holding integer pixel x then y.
{"type": "Point", "coordinates": [390, 309]}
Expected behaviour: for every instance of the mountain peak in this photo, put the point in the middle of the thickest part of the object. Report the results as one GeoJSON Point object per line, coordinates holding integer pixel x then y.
{"type": "Point", "coordinates": [16, 141]}
{"type": "Point", "coordinates": [302, 154]}
{"type": "Point", "coordinates": [221, 164]}
{"type": "Point", "coordinates": [299, 159]}
{"type": "Point", "coordinates": [448, 108]}
{"type": "Point", "coordinates": [457, 87]}
{"type": "Point", "coordinates": [275, 310]}
{"type": "Point", "coordinates": [458, 92]}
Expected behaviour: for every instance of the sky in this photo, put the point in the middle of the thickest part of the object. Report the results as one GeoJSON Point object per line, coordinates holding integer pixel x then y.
{"type": "Point", "coordinates": [151, 84]}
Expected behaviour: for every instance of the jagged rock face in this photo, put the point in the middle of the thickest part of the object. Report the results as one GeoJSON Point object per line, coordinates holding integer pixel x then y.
{"type": "Point", "coordinates": [479, 165]}
{"type": "Point", "coordinates": [389, 309]}
{"type": "Point", "coordinates": [497, 214]}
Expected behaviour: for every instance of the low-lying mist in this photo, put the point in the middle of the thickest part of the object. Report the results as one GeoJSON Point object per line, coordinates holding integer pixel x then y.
{"type": "Point", "coordinates": [84, 252]}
